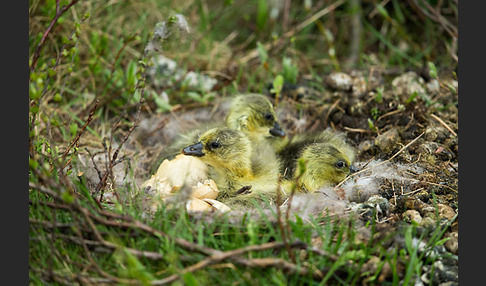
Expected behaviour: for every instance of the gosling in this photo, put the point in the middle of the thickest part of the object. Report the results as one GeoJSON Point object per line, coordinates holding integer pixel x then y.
{"type": "Point", "coordinates": [244, 171]}
{"type": "Point", "coordinates": [250, 113]}
{"type": "Point", "coordinates": [326, 156]}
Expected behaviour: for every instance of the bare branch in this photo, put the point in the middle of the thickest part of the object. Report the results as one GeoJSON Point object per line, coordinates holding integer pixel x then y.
{"type": "Point", "coordinates": [41, 44]}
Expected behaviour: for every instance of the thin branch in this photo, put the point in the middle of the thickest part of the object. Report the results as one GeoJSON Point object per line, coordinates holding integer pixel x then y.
{"type": "Point", "coordinates": [443, 124]}
{"type": "Point", "coordinates": [41, 44]}
{"type": "Point", "coordinates": [356, 32]}
{"type": "Point", "coordinates": [286, 266]}
{"type": "Point", "coordinates": [228, 254]}
{"type": "Point", "coordinates": [280, 222]}
{"type": "Point", "coordinates": [80, 132]}
{"type": "Point", "coordinates": [112, 159]}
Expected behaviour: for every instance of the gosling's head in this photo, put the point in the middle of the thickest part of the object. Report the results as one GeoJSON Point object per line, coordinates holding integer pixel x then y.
{"type": "Point", "coordinates": [254, 113]}
{"type": "Point", "coordinates": [222, 147]}
{"type": "Point", "coordinates": [326, 164]}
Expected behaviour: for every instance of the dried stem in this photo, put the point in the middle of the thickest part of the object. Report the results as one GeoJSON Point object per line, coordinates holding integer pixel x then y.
{"type": "Point", "coordinates": [443, 124]}
{"type": "Point", "coordinates": [283, 230]}
{"type": "Point", "coordinates": [234, 253]}
{"type": "Point", "coordinates": [38, 49]}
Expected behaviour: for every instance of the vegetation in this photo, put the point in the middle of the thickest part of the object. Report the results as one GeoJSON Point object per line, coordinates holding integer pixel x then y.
{"type": "Point", "coordinates": [90, 85]}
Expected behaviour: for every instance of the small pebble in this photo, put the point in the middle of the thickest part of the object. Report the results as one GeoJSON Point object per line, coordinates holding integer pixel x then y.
{"type": "Point", "coordinates": [453, 243]}
{"type": "Point", "coordinates": [412, 215]}
{"type": "Point", "coordinates": [446, 211]}
{"type": "Point", "coordinates": [407, 84]}
{"type": "Point", "coordinates": [388, 141]}
{"type": "Point", "coordinates": [339, 81]}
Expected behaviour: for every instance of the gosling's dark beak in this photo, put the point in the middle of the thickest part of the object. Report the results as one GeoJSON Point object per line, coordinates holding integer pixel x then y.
{"type": "Point", "coordinates": [353, 169]}
{"type": "Point", "coordinates": [194, 150]}
{"type": "Point", "coordinates": [277, 130]}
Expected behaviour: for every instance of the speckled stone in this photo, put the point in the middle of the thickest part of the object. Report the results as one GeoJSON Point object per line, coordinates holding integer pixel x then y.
{"type": "Point", "coordinates": [339, 81]}
{"type": "Point", "coordinates": [412, 215]}
{"type": "Point", "coordinates": [388, 141]}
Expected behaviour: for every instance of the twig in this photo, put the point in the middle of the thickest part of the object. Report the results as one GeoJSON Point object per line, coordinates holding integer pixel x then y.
{"type": "Point", "coordinates": [94, 164]}
{"type": "Point", "coordinates": [225, 255]}
{"type": "Point", "coordinates": [92, 243]}
{"type": "Point", "coordinates": [280, 222]}
{"type": "Point", "coordinates": [284, 265]}
{"type": "Point", "coordinates": [356, 31]}
{"type": "Point", "coordinates": [443, 124]}
{"type": "Point", "coordinates": [388, 114]}
{"type": "Point", "coordinates": [437, 17]}
{"type": "Point", "coordinates": [41, 44]}
{"type": "Point", "coordinates": [330, 110]}
{"type": "Point", "coordinates": [285, 17]}
{"type": "Point", "coordinates": [375, 11]}
{"type": "Point", "coordinates": [357, 130]}
{"type": "Point", "coordinates": [439, 185]}
{"type": "Point", "coordinates": [78, 136]}
{"type": "Point", "coordinates": [82, 278]}
{"type": "Point", "coordinates": [113, 158]}
{"type": "Point", "coordinates": [128, 222]}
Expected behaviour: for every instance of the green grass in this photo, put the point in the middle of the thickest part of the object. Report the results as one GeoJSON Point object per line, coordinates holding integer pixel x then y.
{"type": "Point", "coordinates": [95, 51]}
{"type": "Point", "coordinates": [340, 250]}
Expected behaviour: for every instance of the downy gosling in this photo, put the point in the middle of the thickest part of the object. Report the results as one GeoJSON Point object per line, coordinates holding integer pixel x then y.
{"type": "Point", "coordinates": [236, 163]}
{"type": "Point", "coordinates": [250, 113]}
{"type": "Point", "coordinates": [327, 158]}
{"type": "Point", "coordinates": [254, 114]}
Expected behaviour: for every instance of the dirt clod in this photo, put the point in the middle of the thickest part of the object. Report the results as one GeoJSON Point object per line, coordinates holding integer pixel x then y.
{"type": "Point", "coordinates": [388, 141]}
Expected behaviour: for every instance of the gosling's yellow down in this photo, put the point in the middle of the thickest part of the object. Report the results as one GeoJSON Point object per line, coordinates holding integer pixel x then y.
{"type": "Point", "coordinates": [327, 158]}
{"type": "Point", "coordinates": [251, 113]}
{"type": "Point", "coordinates": [254, 114]}
{"type": "Point", "coordinates": [237, 162]}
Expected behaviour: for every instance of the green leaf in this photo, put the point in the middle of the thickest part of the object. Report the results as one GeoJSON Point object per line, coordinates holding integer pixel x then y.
{"type": "Point", "coordinates": [195, 96]}
{"type": "Point", "coordinates": [73, 128]}
{"type": "Point", "coordinates": [371, 125]}
{"type": "Point", "coordinates": [131, 73]}
{"type": "Point", "coordinates": [190, 280]}
{"type": "Point", "coordinates": [86, 16]}
{"type": "Point", "coordinates": [67, 197]}
{"type": "Point", "coordinates": [262, 53]}
{"type": "Point", "coordinates": [290, 70]}
{"type": "Point", "coordinates": [262, 14]}
{"type": "Point", "coordinates": [57, 97]}
{"type": "Point", "coordinates": [277, 84]}
{"type": "Point", "coordinates": [432, 70]}
{"type": "Point", "coordinates": [412, 97]}
{"type": "Point", "coordinates": [33, 164]}
{"type": "Point", "coordinates": [33, 92]}
{"type": "Point", "coordinates": [379, 94]}
{"type": "Point", "coordinates": [162, 105]}
{"type": "Point", "coordinates": [382, 11]}
{"type": "Point", "coordinates": [34, 109]}
{"type": "Point", "coordinates": [51, 72]}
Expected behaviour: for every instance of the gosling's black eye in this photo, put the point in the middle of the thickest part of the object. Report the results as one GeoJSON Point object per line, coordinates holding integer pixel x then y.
{"type": "Point", "coordinates": [340, 164]}
{"type": "Point", "coordinates": [268, 116]}
{"type": "Point", "coordinates": [215, 145]}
